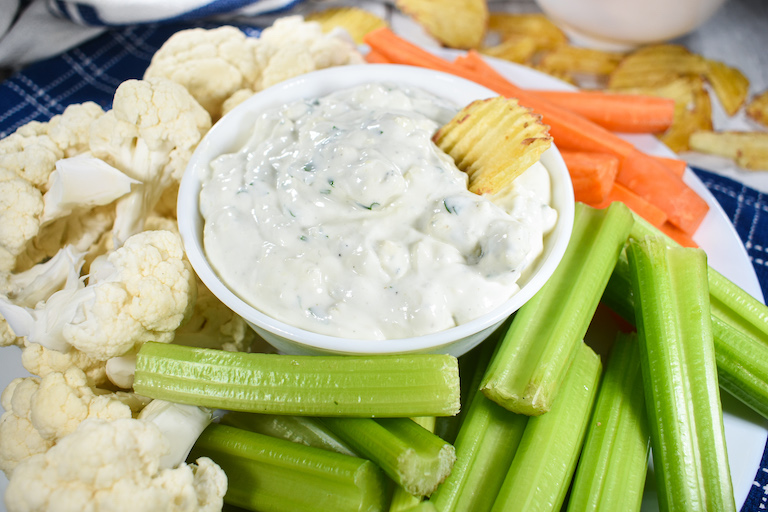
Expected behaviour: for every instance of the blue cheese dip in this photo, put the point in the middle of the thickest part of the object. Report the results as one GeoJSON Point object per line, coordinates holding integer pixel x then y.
{"type": "Point", "coordinates": [341, 216]}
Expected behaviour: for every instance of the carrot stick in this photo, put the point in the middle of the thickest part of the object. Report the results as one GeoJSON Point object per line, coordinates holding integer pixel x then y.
{"type": "Point", "coordinates": [637, 204]}
{"type": "Point", "coordinates": [564, 124]}
{"type": "Point", "coordinates": [641, 173]}
{"type": "Point", "coordinates": [675, 165]}
{"type": "Point", "coordinates": [569, 129]}
{"type": "Point", "coordinates": [646, 177]}
{"type": "Point", "coordinates": [592, 174]}
{"type": "Point", "coordinates": [376, 57]}
{"type": "Point", "coordinates": [627, 113]}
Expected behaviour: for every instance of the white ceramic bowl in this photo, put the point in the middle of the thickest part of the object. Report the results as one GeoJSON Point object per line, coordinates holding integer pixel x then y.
{"type": "Point", "coordinates": [233, 129]}
{"type": "Point", "coordinates": [624, 24]}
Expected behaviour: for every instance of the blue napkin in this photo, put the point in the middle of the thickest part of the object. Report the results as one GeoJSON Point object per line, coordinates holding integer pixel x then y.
{"type": "Point", "coordinates": [93, 70]}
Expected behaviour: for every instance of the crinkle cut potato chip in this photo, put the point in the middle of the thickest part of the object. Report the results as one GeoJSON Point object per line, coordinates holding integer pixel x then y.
{"type": "Point", "coordinates": [748, 149]}
{"type": "Point", "coordinates": [519, 49]}
{"type": "Point", "coordinates": [354, 20]}
{"type": "Point", "coordinates": [656, 65]}
{"type": "Point", "coordinates": [455, 23]}
{"type": "Point", "coordinates": [730, 85]}
{"type": "Point", "coordinates": [494, 140]}
{"type": "Point", "coordinates": [757, 108]}
{"type": "Point", "coordinates": [536, 26]}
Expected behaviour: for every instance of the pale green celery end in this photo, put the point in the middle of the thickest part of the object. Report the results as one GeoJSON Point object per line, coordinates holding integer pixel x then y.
{"type": "Point", "coordinates": [680, 376]}
{"type": "Point", "coordinates": [485, 447]}
{"type": "Point", "coordinates": [412, 456]}
{"type": "Point", "coordinates": [742, 366]}
{"type": "Point", "coordinates": [265, 473]}
{"type": "Point", "coordinates": [298, 429]}
{"type": "Point", "coordinates": [611, 472]}
{"type": "Point", "coordinates": [525, 373]}
{"type": "Point", "coordinates": [402, 500]}
{"type": "Point", "coordinates": [543, 466]}
{"type": "Point", "coordinates": [375, 386]}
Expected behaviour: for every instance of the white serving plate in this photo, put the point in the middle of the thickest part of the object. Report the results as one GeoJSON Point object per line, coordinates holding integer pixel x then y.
{"type": "Point", "coordinates": [746, 432]}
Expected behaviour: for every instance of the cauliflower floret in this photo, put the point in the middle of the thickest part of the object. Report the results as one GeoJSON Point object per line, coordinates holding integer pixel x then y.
{"type": "Point", "coordinates": [211, 64]}
{"type": "Point", "coordinates": [140, 292]}
{"type": "Point", "coordinates": [40, 412]}
{"type": "Point", "coordinates": [114, 466]}
{"type": "Point", "coordinates": [21, 207]}
{"type": "Point", "coordinates": [70, 130]}
{"type": "Point", "coordinates": [33, 149]}
{"type": "Point", "coordinates": [149, 134]}
{"type": "Point", "coordinates": [41, 361]}
{"type": "Point", "coordinates": [214, 325]}
{"type": "Point", "coordinates": [19, 439]}
{"type": "Point", "coordinates": [292, 46]}
{"type": "Point", "coordinates": [30, 153]}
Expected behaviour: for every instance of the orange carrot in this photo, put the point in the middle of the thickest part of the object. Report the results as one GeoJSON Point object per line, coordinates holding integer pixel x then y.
{"type": "Point", "coordinates": [675, 165]}
{"type": "Point", "coordinates": [564, 124]}
{"type": "Point", "coordinates": [592, 174]}
{"type": "Point", "coordinates": [678, 235]}
{"type": "Point", "coordinates": [376, 57]}
{"type": "Point", "coordinates": [569, 129]}
{"type": "Point", "coordinates": [637, 204]}
{"type": "Point", "coordinates": [627, 113]}
{"type": "Point", "coordinates": [637, 171]}
{"type": "Point", "coordinates": [646, 177]}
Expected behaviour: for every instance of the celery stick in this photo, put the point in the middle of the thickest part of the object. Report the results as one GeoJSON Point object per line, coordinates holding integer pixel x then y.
{"type": "Point", "coordinates": [543, 466]}
{"type": "Point", "coordinates": [740, 327]}
{"type": "Point", "coordinates": [677, 358]}
{"type": "Point", "coordinates": [365, 386]}
{"type": "Point", "coordinates": [485, 446]}
{"type": "Point", "coordinates": [614, 461]}
{"type": "Point", "coordinates": [298, 429]}
{"type": "Point", "coordinates": [472, 366]}
{"type": "Point", "coordinates": [526, 372]}
{"type": "Point", "coordinates": [411, 455]}
{"type": "Point", "coordinates": [266, 473]}
{"type": "Point", "coordinates": [402, 500]}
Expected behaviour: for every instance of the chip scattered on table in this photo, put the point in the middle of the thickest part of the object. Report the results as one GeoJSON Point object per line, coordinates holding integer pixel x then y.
{"type": "Point", "coordinates": [354, 20]}
{"type": "Point", "coordinates": [757, 108]}
{"type": "Point", "coordinates": [494, 140]}
{"type": "Point", "coordinates": [748, 149]}
{"type": "Point", "coordinates": [455, 23]}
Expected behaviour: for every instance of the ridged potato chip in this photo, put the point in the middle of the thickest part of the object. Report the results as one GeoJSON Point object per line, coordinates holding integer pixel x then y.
{"type": "Point", "coordinates": [757, 108]}
{"type": "Point", "coordinates": [455, 23]}
{"type": "Point", "coordinates": [656, 65]}
{"type": "Point", "coordinates": [536, 26]}
{"type": "Point", "coordinates": [494, 140]}
{"type": "Point", "coordinates": [730, 85]}
{"type": "Point", "coordinates": [748, 149]}
{"type": "Point", "coordinates": [354, 20]}
{"type": "Point", "coordinates": [519, 49]}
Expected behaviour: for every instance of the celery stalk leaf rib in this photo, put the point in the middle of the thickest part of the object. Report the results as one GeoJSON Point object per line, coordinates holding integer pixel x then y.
{"type": "Point", "coordinates": [411, 455]}
{"type": "Point", "coordinates": [546, 457]}
{"type": "Point", "coordinates": [365, 386]}
{"type": "Point", "coordinates": [677, 358]}
{"type": "Point", "coordinates": [529, 365]}
{"type": "Point", "coordinates": [266, 473]}
{"type": "Point", "coordinates": [740, 327]}
{"type": "Point", "coordinates": [614, 462]}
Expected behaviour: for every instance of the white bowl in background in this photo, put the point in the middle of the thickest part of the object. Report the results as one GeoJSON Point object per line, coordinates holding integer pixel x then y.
{"type": "Point", "coordinates": [231, 132]}
{"type": "Point", "coordinates": [624, 24]}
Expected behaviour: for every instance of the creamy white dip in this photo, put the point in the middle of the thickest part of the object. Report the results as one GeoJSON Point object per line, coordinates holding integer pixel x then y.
{"type": "Point", "coordinates": [340, 216]}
